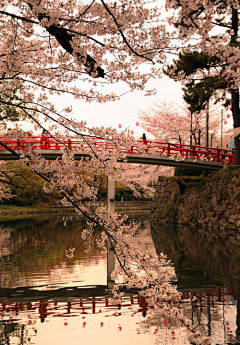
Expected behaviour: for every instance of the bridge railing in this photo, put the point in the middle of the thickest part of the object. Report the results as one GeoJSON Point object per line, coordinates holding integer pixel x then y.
{"type": "Point", "coordinates": [181, 151]}
{"type": "Point", "coordinates": [191, 151]}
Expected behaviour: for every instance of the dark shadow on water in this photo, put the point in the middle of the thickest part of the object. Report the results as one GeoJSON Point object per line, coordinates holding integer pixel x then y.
{"type": "Point", "coordinates": [204, 260]}
{"type": "Point", "coordinates": [200, 256]}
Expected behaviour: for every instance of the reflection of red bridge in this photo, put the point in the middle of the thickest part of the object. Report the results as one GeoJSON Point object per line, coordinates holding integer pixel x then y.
{"type": "Point", "coordinates": [90, 305]}
{"type": "Point", "coordinates": [217, 292]}
{"type": "Point", "coordinates": [160, 153]}
{"type": "Point", "coordinates": [99, 304]}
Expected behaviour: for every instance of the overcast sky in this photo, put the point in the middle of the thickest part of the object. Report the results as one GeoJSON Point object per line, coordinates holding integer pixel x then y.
{"type": "Point", "coordinates": [124, 111]}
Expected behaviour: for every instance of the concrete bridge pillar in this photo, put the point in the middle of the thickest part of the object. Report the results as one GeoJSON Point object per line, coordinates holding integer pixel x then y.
{"type": "Point", "coordinates": [110, 251]}
{"type": "Point", "coordinates": [111, 194]}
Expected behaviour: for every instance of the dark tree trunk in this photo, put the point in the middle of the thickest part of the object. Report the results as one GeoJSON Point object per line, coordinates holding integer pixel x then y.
{"type": "Point", "coordinates": [235, 92]}
{"type": "Point", "coordinates": [238, 312]}
{"type": "Point", "coordinates": [236, 123]}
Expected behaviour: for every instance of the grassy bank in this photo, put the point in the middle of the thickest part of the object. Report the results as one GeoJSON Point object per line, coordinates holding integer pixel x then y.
{"type": "Point", "coordinates": [7, 210]}
{"type": "Point", "coordinates": [11, 210]}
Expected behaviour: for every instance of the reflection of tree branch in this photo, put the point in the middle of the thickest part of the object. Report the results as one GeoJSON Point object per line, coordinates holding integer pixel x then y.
{"type": "Point", "coordinates": [122, 265]}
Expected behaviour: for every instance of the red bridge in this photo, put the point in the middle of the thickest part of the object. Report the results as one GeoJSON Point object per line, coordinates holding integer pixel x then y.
{"type": "Point", "coordinates": [158, 153]}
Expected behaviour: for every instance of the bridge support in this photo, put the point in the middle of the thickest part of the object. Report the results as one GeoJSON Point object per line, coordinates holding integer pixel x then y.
{"type": "Point", "coordinates": [110, 251]}
{"type": "Point", "coordinates": [111, 194]}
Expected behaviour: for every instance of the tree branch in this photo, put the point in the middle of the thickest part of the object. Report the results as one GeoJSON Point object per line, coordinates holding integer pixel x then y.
{"type": "Point", "coordinates": [65, 40]}
{"type": "Point", "coordinates": [122, 34]}
{"type": "Point", "coordinates": [19, 17]}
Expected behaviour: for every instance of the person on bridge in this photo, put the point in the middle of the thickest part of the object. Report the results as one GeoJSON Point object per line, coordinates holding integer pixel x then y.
{"type": "Point", "coordinates": [144, 139]}
{"type": "Point", "coordinates": [45, 140]}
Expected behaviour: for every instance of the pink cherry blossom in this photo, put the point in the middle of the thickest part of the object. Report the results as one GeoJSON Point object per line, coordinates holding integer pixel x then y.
{"type": "Point", "coordinates": [167, 112]}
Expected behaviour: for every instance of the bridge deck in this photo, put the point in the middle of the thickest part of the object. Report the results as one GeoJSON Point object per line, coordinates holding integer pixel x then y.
{"type": "Point", "coordinates": [156, 153]}
{"type": "Point", "coordinates": [132, 158]}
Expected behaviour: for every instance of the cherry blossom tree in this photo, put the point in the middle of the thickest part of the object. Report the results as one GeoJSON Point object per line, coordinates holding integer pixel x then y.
{"type": "Point", "coordinates": [165, 122]}
{"type": "Point", "coordinates": [49, 47]}
{"type": "Point", "coordinates": [209, 33]}
{"type": "Point", "coordinates": [143, 178]}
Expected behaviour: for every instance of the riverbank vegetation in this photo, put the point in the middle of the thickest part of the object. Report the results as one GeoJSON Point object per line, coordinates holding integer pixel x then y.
{"type": "Point", "coordinates": [27, 188]}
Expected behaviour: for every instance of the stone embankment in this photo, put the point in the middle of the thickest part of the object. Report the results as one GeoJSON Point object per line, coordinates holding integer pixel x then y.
{"type": "Point", "coordinates": [212, 201]}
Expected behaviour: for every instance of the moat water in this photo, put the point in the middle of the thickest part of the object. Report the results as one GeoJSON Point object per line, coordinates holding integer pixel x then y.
{"type": "Point", "coordinates": [47, 298]}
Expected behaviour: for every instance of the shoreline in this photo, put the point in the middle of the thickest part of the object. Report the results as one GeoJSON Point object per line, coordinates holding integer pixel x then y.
{"type": "Point", "coordinates": [13, 211]}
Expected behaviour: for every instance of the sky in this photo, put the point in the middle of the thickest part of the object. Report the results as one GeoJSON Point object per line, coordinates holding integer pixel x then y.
{"type": "Point", "coordinates": [124, 111]}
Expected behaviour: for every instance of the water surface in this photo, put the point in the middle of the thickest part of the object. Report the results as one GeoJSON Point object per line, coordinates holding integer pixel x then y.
{"type": "Point", "coordinates": [47, 298]}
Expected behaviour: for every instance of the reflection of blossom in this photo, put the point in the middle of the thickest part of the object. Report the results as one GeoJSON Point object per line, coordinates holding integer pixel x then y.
{"type": "Point", "coordinates": [69, 252]}
{"type": "Point", "coordinates": [5, 234]}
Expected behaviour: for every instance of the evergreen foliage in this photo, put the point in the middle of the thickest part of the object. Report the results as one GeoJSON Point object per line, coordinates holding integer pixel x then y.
{"type": "Point", "coordinates": [198, 91]}
{"type": "Point", "coordinates": [191, 172]}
